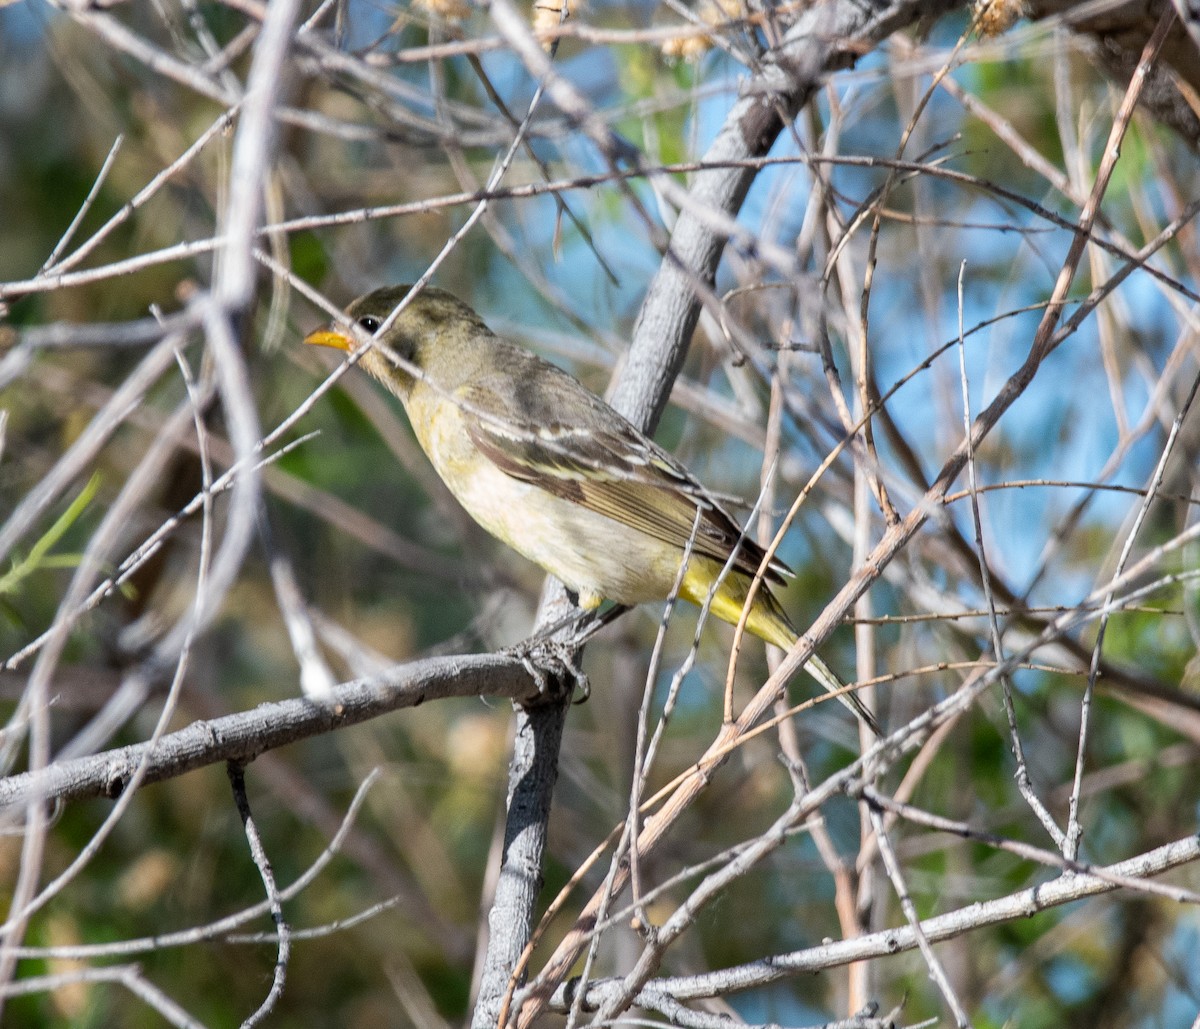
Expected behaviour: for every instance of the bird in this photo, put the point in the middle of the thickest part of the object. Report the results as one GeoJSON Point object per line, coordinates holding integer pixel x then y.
{"type": "Point", "coordinates": [551, 470]}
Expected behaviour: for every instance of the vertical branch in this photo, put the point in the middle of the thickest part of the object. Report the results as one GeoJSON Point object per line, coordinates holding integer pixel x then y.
{"type": "Point", "coordinates": [253, 147]}
{"type": "Point", "coordinates": [533, 772]}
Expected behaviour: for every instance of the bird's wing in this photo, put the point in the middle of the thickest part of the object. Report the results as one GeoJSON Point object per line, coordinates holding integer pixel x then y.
{"type": "Point", "coordinates": [562, 438]}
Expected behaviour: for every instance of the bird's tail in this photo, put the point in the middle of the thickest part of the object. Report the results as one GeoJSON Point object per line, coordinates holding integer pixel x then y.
{"type": "Point", "coordinates": [769, 622]}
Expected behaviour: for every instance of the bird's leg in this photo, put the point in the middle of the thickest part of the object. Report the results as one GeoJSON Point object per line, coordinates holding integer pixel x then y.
{"type": "Point", "coordinates": [591, 622]}
{"type": "Point", "coordinates": [584, 624]}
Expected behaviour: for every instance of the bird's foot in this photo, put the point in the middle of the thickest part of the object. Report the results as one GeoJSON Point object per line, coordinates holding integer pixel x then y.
{"type": "Point", "coordinates": [553, 664]}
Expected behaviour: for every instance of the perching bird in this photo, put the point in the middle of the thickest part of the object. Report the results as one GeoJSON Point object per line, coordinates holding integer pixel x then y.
{"type": "Point", "coordinates": [546, 466]}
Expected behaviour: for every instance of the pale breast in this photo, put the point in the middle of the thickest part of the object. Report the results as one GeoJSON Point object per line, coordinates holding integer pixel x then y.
{"type": "Point", "coordinates": [593, 555]}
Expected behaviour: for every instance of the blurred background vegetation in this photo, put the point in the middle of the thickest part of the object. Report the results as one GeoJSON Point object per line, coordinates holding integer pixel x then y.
{"type": "Point", "coordinates": [392, 569]}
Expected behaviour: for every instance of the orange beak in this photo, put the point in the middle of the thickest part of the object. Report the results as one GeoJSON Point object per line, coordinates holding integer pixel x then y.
{"type": "Point", "coordinates": [330, 338]}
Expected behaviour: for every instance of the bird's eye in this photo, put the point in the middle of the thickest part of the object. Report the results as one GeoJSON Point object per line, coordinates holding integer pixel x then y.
{"type": "Point", "coordinates": [370, 323]}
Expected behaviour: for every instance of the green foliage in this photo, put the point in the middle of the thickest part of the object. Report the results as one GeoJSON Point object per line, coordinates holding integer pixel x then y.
{"type": "Point", "coordinates": [39, 557]}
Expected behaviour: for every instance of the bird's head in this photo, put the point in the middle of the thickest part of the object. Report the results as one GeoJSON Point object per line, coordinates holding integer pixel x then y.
{"type": "Point", "coordinates": [428, 334]}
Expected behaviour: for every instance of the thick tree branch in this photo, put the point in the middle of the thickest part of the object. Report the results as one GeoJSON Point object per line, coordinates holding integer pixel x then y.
{"type": "Point", "coordinates": [245, 735]}
{"type": "Point", "coordinates": [1116, 34]}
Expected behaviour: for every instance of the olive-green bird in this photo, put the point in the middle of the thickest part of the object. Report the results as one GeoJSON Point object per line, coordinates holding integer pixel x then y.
{"type": "Point", "coordinates": [546, 466]}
